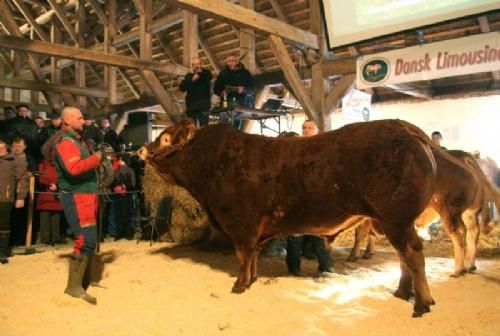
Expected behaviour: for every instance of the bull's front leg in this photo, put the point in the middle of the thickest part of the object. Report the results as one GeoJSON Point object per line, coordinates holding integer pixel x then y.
{"type": "Point", "coordinates": [246, 257]}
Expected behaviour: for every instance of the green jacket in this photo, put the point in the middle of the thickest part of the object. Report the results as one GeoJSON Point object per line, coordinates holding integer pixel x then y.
{"type": "Point", "coordinates": [76, 168]}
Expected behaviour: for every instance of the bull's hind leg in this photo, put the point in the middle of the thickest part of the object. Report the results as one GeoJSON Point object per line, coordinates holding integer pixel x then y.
{"type": "Point", "coordinates": [409, 248]}
{"type": "Point", "coordinates": [405, 288]}
{"type": "Point", "coordinates": [456, 230]}
{"type": "Point", "coordinates": [358, 239]}
{"type": "Point", "coordinates": [470, 219]}
{"type": "Point", "coordinates": [370, 247]}
{"type": "Point", "coordinates": [247, 258]}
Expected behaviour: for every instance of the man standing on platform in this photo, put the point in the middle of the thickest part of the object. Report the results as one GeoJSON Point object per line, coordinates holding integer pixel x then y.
{"type": "Point", "coordinates": [196, 84]}
{"type": "Point", "coordinates": [76, 172]}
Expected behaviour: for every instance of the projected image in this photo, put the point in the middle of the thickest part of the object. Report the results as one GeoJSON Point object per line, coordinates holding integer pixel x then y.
{"type": "Point", "coordinates": [370, 11]}
{"type": "Point", "coordinates": [357, 20]}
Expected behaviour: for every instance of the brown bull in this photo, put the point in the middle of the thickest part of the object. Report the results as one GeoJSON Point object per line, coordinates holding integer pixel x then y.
{"type": "Point", "coordinates": [460, 199]}
{"type": "Point", "coordinates": [255, 188]}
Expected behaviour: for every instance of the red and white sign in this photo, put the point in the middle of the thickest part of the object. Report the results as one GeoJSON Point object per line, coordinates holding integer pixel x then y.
{"type": "Point", "coordinates": [467, 55]}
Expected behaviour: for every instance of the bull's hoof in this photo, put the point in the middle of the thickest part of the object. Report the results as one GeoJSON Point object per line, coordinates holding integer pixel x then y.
{"type": "Point", "coordinates": [458, 274]}
{"type": "Point", "coordinates": [238, 289]}
{"type": "Point", "coordinates": [252, 280]}
{"type": "Point", "coordinates": [403, 295]}
{"type": "Point", "coordinates": [472, 269]}
{"type": "Point", "coordinates": [352, 258]}
{"type": "Point", "coordinates": [420, 309]}
{"type": "Point", "coordinates": [368, 256]}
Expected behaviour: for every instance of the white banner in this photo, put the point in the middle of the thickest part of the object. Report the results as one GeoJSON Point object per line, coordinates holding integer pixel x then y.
{"type": "Point", "coordinates": [467, 55]}
{"type": "Point", "coordinates": [356, 107]}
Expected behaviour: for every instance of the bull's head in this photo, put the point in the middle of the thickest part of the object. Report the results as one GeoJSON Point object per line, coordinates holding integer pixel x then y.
{"type": "Point", "coordinates": [170, 140]}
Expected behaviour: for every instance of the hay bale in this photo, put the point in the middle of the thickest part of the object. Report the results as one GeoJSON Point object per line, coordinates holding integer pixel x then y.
{"type": "Point", "coordinates": [189, 222]}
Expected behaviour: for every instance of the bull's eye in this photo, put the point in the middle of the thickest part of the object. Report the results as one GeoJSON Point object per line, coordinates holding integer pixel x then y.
{"type": "Point", "coordinates": [165, 141]}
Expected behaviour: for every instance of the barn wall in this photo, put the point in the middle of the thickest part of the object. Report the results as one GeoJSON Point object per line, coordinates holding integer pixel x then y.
{"type": "Point", "coordinates": [467, 123]}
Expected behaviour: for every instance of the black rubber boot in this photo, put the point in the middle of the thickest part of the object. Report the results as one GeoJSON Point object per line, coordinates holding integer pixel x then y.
{"type": "Point", "coordinates": [78, 265]}
{"type": "Point", "coordinates": [4, 247]}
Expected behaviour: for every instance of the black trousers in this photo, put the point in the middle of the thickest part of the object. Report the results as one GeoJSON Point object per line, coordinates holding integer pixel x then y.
{"type": "Point", "coordinates": [199, 117]}
{"type": "Point", "coordinates": [50, 222]}
{"type": "Point", "coordinates": [294, 252]}
{"type": "Point", "coordinates": [5, 210]}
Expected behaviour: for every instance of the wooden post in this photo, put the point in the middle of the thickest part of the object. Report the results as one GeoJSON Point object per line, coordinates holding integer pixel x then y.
{"type": "Point", "coordinates": [247, 42]}
{"type": "Point", "coordinates": [146, 40]}
{"type": "Point", "coordinates": [293, 78]}
{"type": "Point", "coordinates": [109, 35]}
{"type": "Point", "coordinates": [2, 74]}
{"type": "Point", "coordinates": [189, 37]}
{"type": "Point", "coordinates": [80, 66]}
{"type": "Point", "coordinates": [16, 93]}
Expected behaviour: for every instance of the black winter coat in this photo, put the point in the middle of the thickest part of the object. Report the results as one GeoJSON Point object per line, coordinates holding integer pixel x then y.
{"type": "Point", "coordinates": [238, 77]}
{"type": "Point", "coordinates": [198, 92]}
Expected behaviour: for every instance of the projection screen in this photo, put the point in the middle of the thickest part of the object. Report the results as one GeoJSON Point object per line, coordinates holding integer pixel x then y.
{"type": "Point", "coordinates": [352, 21]}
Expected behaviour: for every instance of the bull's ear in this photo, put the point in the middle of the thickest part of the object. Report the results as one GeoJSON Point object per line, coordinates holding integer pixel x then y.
{"type": "Point", "coordinates": [190, 132]}
{"type": "Point", "coordinates": [187, 133]}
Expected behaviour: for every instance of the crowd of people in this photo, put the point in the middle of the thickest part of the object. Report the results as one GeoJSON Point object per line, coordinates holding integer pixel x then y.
{"type": "Point", "coordinates": [27, 148]}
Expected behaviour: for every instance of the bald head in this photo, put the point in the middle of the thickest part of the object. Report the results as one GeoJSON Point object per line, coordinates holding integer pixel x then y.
{"type": "Point", "coordinates": [72, 117]}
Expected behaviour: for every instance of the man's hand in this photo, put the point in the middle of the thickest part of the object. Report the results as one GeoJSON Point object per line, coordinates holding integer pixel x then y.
{"type": "Point", "coordinates": [241, 89]}
{"type": "Point", "coordinates": [19, 204]}
{"type": "Point", "coordinates": [52, 187]}
{"type": "Point", "coordinates": [99, 153]}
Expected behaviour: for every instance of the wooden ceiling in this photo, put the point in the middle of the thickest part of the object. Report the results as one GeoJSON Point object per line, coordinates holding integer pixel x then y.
{"type": "Point", "coordinates": [58, 20]}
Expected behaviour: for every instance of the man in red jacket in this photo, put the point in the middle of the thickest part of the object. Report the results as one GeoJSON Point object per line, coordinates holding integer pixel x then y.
{"type": "Point", "coordinates": [76, 173]}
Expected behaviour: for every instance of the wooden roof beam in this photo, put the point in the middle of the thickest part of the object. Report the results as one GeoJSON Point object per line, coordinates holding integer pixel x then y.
{"type": "Point", "coordinates": [338, 67]}
{"type": "Point", "coordinates": [130, 84]}
{"type": "Point", "coordinates": [86, 55]}
{"type": "Point", "coordinates": [28, 15]}
{"type": "Point", "coordinates": [248, 18]}
{"type": "Point", "coordinates": [278, 10]}
{"type": "Point", "coordinates": [61, 15]}
{"type": "Point", "coordinates": [164, 97]}
{"type": "Point", "coordinates": [293, 78]}
{"type": "Point", "coordinates": [9, 23]}
{"type": "Point", "coordinates": [98, 11]}
{"type": "Point", "coordinates": [338, 91]}
{"type": "Point", "coordinates": [24, 84]}
{"type": "Point", "coordinates": [209, 55]}
{"type": "Point", "coordinates": [154, 27]}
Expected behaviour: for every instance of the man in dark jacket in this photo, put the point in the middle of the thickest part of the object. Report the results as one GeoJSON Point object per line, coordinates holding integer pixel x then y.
{"type": "Point", "coordinates": [23, 126]}
{"type": "Point", "coordinates": [109, 135]}
{"type": "Point", "coordinates": [234, 83]}
{"type": "Point", "coordinates": [91, 134]}
{"type": "Point", "coordinates": [8, 114]}
{"type": "Point", "coordinates": [197, 86]}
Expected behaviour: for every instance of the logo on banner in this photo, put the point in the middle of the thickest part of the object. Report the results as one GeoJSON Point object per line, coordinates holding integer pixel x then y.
{"type": "Point", "coordinates": [375, 71]}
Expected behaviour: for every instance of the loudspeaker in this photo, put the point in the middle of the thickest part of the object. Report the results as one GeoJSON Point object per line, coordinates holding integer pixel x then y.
{"type": "Point", "coordinates": [139, 128]}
